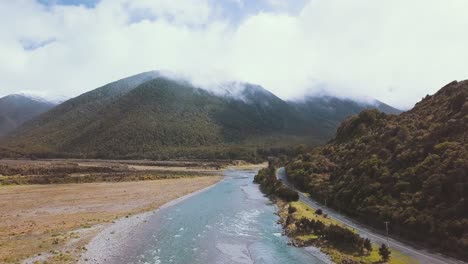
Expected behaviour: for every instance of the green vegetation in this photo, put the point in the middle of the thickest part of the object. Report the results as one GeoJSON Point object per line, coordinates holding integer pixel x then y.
{"type": "Point", "coordinates": [161, 119]}
{"type": "Point", "coordinates": [308, 227]}
{"type": "Point", "coordinates": [357, 250]}
{"type": "Point", "coordinates": [308, 223]}
{"type": "Point", "coordinates": [409, 169]}
{"type": "Point", "coordinates": [327, 112]}
{"type": "Point", "coordinates": [271, 186]}
{"type": "Point", "coordinates": [384, 252]}
{"type": "Point", "coordinates": [305, 211]}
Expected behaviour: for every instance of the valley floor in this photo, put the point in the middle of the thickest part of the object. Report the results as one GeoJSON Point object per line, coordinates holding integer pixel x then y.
{"type": "Point", "coordinates": [54, 222]}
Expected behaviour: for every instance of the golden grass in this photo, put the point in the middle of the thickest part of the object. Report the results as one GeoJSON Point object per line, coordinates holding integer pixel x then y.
{"type": "Point", "coordinates": [303, 210]}
{"type": "Point", "coordinates": [337, 255]}
{"type": "Point", "coordinates": [306, 237]}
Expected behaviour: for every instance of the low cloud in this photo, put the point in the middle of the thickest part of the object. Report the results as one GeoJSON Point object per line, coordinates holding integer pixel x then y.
{"type": "Point", "coordinates": [393, 50]}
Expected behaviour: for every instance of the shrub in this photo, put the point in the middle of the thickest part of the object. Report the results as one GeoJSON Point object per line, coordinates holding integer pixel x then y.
{"type": "Point", "coordinates": [367, 244]}
{"type": "Point", "coordinates": [291, 209]}
{"type": "Point", "coordinates": [384, 252]}
{"type": "Point", "coordinates": [287, 194]}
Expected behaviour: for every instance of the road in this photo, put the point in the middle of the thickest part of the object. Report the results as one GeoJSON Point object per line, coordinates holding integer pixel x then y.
{"type": "Point", "coordinates": [421, 255]}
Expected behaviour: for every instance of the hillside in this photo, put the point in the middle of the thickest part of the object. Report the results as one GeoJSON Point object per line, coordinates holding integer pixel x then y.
{"type": "Point", "coordinates": [327, 112]}
{"type": "Point", "coordinates": [16, 109]}
{"type": "Point", "coordinates": [149, 116]}
{"type": "Point", "coordinates": [410, 170]}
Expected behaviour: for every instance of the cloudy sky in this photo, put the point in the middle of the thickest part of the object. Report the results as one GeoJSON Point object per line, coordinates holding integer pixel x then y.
{"type": "Point", "coordinates": [394, 50]}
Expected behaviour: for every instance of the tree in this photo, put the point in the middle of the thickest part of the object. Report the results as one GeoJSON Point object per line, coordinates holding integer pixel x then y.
{"type": "Point", "coordinates": [367, 244]}
{"type": "Point", "coordinates": [384, 252]}
{"type": "Point", "coordinates": [287, 194]}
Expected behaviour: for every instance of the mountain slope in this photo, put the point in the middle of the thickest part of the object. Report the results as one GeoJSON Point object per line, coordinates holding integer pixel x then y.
{"type": "Point", "coordinates": [157, 117]}
{"type": "Point", "coordinates": [327, 112]}
{"type": "Point", "coordinates": [409, 169]}
{"type": "Point", "coordinates": [149, 116]}
{"type": "Point", "coordinates": [16, 109]}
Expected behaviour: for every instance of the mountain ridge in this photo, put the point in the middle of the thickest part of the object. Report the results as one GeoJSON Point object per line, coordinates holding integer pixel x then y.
{"type": "Point", "coordinates": [150, 115]}
{"type": "Point", "coordinates": [15, 109]}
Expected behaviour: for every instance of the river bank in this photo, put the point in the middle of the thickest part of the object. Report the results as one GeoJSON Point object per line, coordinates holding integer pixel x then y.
{"type": "Point", "coordinates": [53, 222]}
{"type": "Point", "coordinates": [291, 220]}
{"type": "Point", "coordinates": [230, 222]}
{"type": "Point", "coordinates": [111, 239]}
{"type": "Point", "coordinates": [307, 226]}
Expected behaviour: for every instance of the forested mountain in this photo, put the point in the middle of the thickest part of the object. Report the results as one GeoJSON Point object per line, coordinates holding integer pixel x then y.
{"type": "Point", "coordinates": [410, 170]}
{"type": "Point", "coordinates": [328, 111]}
{"type": "Point", "coordinates": [16, 109]}
{"type": "Point", "coordinates": [150, 116]}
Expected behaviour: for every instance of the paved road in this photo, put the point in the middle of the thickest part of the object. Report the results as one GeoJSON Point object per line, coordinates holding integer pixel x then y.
{"type": "Point", "coordinates": [423, 256]}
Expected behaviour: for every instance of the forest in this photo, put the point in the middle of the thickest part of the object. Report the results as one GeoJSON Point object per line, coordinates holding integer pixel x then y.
{"type": "Point", "coordinates": [408, 169]}
{"type": "Point", "coordinates": [148, 116]}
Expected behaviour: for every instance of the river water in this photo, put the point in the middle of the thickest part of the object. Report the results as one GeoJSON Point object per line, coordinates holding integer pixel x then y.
{"type": "Point", "coordinates": [229, 223]}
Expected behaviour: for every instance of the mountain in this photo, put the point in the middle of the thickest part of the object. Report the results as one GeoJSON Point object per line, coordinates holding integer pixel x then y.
{"type": "Point", "coordinates": [327, 112]}
{"type": "Point", "coordinates": [16, 109]}
{"type": "Point", "coordinates": [151, 116]}
{"type": "Point", "coordinates": [408, 169]}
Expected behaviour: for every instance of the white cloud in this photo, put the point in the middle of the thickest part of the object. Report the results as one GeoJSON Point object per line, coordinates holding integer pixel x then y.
{"type": "Point", "coordinates": [181, 11]}
{"type": "Point", "coordinates": [394, 50]}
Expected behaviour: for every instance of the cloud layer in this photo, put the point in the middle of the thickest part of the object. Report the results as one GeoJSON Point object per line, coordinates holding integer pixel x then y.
{"type": "Point", "coordinates": [394, 50]}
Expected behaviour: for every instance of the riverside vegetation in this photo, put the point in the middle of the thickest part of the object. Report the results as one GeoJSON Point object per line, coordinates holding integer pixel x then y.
{"type": "Point", "coordinates": [410, 170]}
{"type": "Point", "coordinates": [309, 227]}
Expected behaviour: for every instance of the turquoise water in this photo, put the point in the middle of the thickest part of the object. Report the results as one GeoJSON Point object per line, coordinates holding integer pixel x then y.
{"type": "Point", "coordinates": [230, 223]}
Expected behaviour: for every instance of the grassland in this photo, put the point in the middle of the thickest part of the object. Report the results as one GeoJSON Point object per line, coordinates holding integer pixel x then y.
{"type": "Point", "coordinates": [338, 255]}
{"type": "Point", "coordinates": [59, 171]}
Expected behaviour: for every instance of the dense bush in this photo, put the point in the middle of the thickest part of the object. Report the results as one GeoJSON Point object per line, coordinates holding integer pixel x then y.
{"type": "Point", "coordinates": [287, 194]}
{"type": "Point", "coordinates": [335, 234]}
{"type": "Point", "coordinates": [270, 185]}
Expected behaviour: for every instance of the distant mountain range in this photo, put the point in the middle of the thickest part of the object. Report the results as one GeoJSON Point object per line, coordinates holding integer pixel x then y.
{"type": "Point", "coordinates": [152, 116]}
{"type": "Point", "coordinates": [16, 109]}
{"type": "Point", "coordinates": [410, 170]}
{"type": "Point", "coordinates": [327, 112]}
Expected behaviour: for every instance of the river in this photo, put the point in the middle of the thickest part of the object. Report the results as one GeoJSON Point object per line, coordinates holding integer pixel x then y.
{"type": "Point", "coordinates": [230, 223]}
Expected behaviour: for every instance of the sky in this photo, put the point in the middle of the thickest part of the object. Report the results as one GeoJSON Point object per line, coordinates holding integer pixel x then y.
{"type": "Point", "coordinates": [396, 51]}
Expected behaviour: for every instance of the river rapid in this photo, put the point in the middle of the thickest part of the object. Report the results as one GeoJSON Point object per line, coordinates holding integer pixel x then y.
{"type": "Point", "coordinates": [231, 222]}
